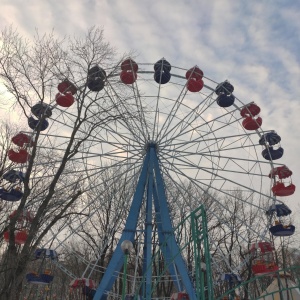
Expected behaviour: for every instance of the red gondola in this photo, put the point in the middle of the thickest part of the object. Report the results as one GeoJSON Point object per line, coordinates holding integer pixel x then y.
{"type": "Point", "coordinates": [194, 77]}
{"type": "Point", "coordinates": [67, 87]}
{"type": "Point", "coordinates": [6, 236]}
{"type": "Point", "coordinates": [282, 190]}
{"type": "Point", "coordinates": [25, 215]}
{"type": "Point", "coordinates": [195, 85]}
{"type": "Point", "coordinates": [282, 172]}
{"type": "Point", "coordinates": [195, 73]}
{"type": "Point", "coordinates": [264, 259]}
{"type": "Point", "coordinates": [128, 77]}
{"type": "Point", "coordinates": [252, 124]}
{"type": "Point", "coordinates": [261, 267]}
{"type": "Point", "coordinates": [21, 138]}
{"type": "Point", "coordinates": [250, 110]}
{"type": "Point", "coordinates": [81, 282]}
{"type": "Point", "coordinates": [129, 65]}
{"type": "Point", "coordinates": [264, 247]}
{"type": "Point", "coordinates": [129, 69]}
{"type": "Point", "coordinates": [64, 100]}
{"type": "Point", "coordinates": [248, 113]}
{"type": "Point", "coordinates": [180, 296]}
{"type": "Point", "coordinates": [84, 288]}
{"type": "Point", "coordinates": [20, 236]}
{"type": "Point", "coordinates": [20, 157]}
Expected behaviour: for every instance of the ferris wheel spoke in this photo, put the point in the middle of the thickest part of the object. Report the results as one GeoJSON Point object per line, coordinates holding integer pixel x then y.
{"type": "Point", "coordinates": [217, 162]}
{"type": "Point", "coordinates": [215, 175]}
{"type": "Point", "coordinates": [179, 128]}
{"type": "Point", "coordinates": [104, 141]}
{"type": "Point", "coordinates": [74, 220]}
{"type": "Point", "coordinates": [141, 112]}
{"type": "Point", "coordinates": [112, 160]}
{"type": "Point", "coordinates": [156, 113]}
{"type": "Point", "coordinates": [227, 166]}
{"type": "Point", "coordinates": [103, 183]}
{"type": "Point", "coordinates": [207, 129]}
{"type": "Point", "coordinates": [156, 132]}
{"type": "Point", "coordinates": [221, 206]}
{"type": "Point", "coordinates": [131, 123]}
{"type": "Point", "coordinates": [121, 151]}
{"type": "Point", "coordinates": [226, 158]}
{"type": "Point", "coordinates": [171, 115]}
{"type": "Point", "coordinates": [223, 142]}
{"type": "Point", "coordinates": [92, 186]}
{"type": "Point", "coordinates": [108, 128]}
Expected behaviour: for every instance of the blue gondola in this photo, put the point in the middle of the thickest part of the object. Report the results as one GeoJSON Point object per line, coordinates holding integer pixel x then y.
{"type": "Point", "coordinates": [90, 293]}
{"type": "Point", "coordinates": [281, 230]}
{"type": "Point", "coordinates": [95, 84]}
{"type": "Point", "coordinates": [224, 100]}
{"type": "Point", "coordinates": [41, 109]}
{"type": "Point", "coordinates": [162, 65]}
{"type": "Point", "coordinates": [39, 278]}
{"type": "Point", "coordinates": [12, 195]}
{"type": "Point", "coordinates": [45, 253]}
{"type": "Point", "coordinates": [33, 124]}
{"type": "Point", "coordinates": [281, 210]}
{"type": "Point", "coordinates": [14, 176]}
{"type": "Point", "coordinates": [97, 73]}
{"type": "Point", "coordinates": [232, 278]}
{"type": "Point", "coordinates": [272, 138]}
{"type": "Point", "coordinates": [224, 88]}
{"type": "Point", "coordinates": [162, 77]}
{"type": "Point", "coordinates": [272, 154]}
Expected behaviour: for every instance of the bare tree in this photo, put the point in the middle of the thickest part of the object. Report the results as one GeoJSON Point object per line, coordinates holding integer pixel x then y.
{"type": "Point", "coordinates": [54, 184]}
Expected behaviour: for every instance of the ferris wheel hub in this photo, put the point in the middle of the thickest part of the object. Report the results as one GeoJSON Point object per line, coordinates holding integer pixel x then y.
{"type": "Point", "coordinates": [151, 144]}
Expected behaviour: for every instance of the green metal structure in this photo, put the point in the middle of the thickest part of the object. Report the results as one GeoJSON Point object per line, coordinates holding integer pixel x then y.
{"type": "Point", "coordinates": [194, 246]}
{"type": "Point", "coordinates": [281, 285]}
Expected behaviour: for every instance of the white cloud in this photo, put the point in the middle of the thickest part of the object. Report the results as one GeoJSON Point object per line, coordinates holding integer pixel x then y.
{"type": "Point", "coordinates": [255, 46]}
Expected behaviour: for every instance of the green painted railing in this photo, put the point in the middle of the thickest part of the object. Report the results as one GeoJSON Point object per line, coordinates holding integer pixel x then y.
{"type": "Point", "coordinates": [256, 287]}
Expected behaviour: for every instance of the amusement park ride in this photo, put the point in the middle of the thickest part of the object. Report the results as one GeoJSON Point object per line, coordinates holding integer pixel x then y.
{"type": "Point", "coordinates": [173, 139]}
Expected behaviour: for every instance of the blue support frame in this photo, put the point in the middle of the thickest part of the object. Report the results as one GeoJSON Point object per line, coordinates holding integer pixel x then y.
{"type": "Point", "coordinates": [147, 268]}
{"type": "Point", "coordinates": [163, 245]}
{"type": "Point", "coordinates": [150, 186]}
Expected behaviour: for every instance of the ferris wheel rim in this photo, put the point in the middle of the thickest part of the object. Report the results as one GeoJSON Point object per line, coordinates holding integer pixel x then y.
{"type": "Point", "coordinates": [138, 139]}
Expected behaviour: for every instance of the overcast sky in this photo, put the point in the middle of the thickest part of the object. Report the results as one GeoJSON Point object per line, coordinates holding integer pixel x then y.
{"type": "Point", "coordinates": [254, 44]}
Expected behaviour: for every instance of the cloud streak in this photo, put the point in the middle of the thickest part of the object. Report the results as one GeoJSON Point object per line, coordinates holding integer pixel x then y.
{"type": "Point", "coordinates": [253, 44]}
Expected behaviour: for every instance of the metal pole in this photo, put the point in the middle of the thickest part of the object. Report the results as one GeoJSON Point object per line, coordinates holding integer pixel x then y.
{"type": "Point", "coordinates": [124, 275]}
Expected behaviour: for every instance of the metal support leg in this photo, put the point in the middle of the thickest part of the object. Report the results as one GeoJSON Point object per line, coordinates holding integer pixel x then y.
{"type": "Point", "coordinates": [116, 261]}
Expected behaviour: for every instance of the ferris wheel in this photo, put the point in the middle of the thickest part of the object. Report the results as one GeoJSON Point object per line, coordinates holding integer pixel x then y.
{"type": "Point", "coordinates": [153, 142]}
